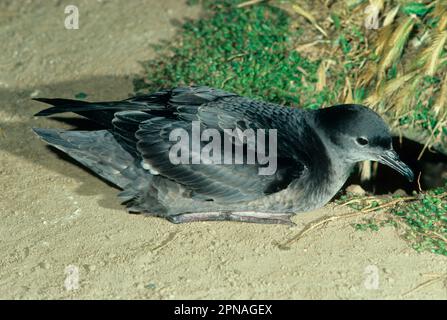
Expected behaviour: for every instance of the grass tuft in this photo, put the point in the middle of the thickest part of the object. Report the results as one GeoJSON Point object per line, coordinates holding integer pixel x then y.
{"type": "Point", "coordinates": [246, 50]}
{"type": "Point", "coordinates": [420, 219]}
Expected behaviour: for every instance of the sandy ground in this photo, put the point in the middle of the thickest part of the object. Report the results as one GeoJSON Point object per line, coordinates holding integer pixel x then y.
{"type": "Point", "coordinates": [63, 233]}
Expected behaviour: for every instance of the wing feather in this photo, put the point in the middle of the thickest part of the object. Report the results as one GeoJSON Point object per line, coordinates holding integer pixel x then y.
{"type": "Point", "coordinates": [146, 134]}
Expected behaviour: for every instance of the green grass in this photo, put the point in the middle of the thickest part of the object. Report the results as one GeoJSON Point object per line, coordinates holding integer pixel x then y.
{"type": "Point", "coordinates": [422, 221]}
{"type": "Point", "coordinates": [248, 51]}
{"type": "Point", "coordinates": [426, 221]}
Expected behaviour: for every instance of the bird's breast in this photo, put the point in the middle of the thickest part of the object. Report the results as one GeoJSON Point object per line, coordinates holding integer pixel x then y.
{"type": "Point", "coordinates": [311, 191]}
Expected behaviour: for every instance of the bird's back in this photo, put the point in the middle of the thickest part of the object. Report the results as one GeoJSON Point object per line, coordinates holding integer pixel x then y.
{"type": "Point", "coordinates": [138, 139]}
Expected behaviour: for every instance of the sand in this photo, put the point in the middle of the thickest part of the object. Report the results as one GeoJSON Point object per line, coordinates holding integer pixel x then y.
{"type": "Point", "coordinates": [63, 233]}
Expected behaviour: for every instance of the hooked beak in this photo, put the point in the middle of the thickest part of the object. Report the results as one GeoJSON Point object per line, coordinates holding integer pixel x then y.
{"type": "Point", "coordinates": [391, 159]}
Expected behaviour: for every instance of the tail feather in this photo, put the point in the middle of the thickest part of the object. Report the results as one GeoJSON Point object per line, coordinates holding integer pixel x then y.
{"type": "Point", "coordinates": [63, 105]}
{"type": "Point", "coordinates": [99, 112]}
{"type": "Point", "coordinates": [102, 154]}
{"type": "Point", "coordinates": [97, 150]}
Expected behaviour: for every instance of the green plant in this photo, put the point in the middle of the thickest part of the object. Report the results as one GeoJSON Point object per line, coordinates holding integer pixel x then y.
{"type": "Point", "coordinates": [246, 50]}
{"type": "Point", "coordinates": [421, 218]}
{"type": "Point", "coordinates": [426, 221]}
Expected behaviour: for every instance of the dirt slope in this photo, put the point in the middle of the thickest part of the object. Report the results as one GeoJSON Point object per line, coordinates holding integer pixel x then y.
{"type": "Point", "coordinates": [63, 234]}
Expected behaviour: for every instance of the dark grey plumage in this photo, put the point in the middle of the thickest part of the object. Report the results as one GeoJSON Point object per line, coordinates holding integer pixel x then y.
{"type": "Point", "coordinates": [316, 152]}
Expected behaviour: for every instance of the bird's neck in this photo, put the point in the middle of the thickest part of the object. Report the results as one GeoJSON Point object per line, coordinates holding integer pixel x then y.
{"type": "Point", "coordinates": [322, 184]}
{"type": "Point", "coordinates": [327, 171]}
{"type": "Point", "coordinates": [340, 169]}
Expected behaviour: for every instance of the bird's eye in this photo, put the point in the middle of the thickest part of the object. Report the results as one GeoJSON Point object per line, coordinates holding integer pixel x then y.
{"type": "Point", "coordinates": [362, 141]}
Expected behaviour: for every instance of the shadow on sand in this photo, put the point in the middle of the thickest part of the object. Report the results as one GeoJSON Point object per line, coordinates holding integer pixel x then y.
{"type": "Point", "coordinates": [17, 120]}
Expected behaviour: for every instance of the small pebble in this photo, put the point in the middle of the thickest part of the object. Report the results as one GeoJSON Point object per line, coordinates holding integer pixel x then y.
{"type": "Point", "coordinates": [35, 94]}
{"type": "Point", "coordinates": [139, 286]}
{"type": "Point", "coordinates": [44, 265]}
{"type": "Point", "coordinates": [400, 192]}
{"type": "Point", "coordinates": [356, 189]}
{"type": "Point", "coordinates": [89, 267]}
{"type": "Point", "coordinates": [151, 286]}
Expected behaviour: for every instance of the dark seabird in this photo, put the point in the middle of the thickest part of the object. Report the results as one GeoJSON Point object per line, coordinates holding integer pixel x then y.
{"type": "Point", "coordinates": [315, 152]}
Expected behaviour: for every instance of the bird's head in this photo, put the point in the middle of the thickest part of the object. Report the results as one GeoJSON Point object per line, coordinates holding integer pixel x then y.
{"type": "Point", "coordinates": [357, 133]}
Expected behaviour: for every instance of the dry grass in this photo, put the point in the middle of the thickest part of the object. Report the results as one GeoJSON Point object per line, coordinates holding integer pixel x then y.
{"type": "Point", "coordinates": [400, 69]}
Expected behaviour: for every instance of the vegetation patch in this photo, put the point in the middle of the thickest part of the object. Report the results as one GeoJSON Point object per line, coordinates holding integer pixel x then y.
{"type": "Point", "coordinates": [421, 219]}
{"type": "Point", "coordinates": [245, 50]}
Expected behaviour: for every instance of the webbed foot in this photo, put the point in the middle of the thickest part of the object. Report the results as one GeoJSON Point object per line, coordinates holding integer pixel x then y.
{"type": "Point", "coordinates": [241, 216]}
